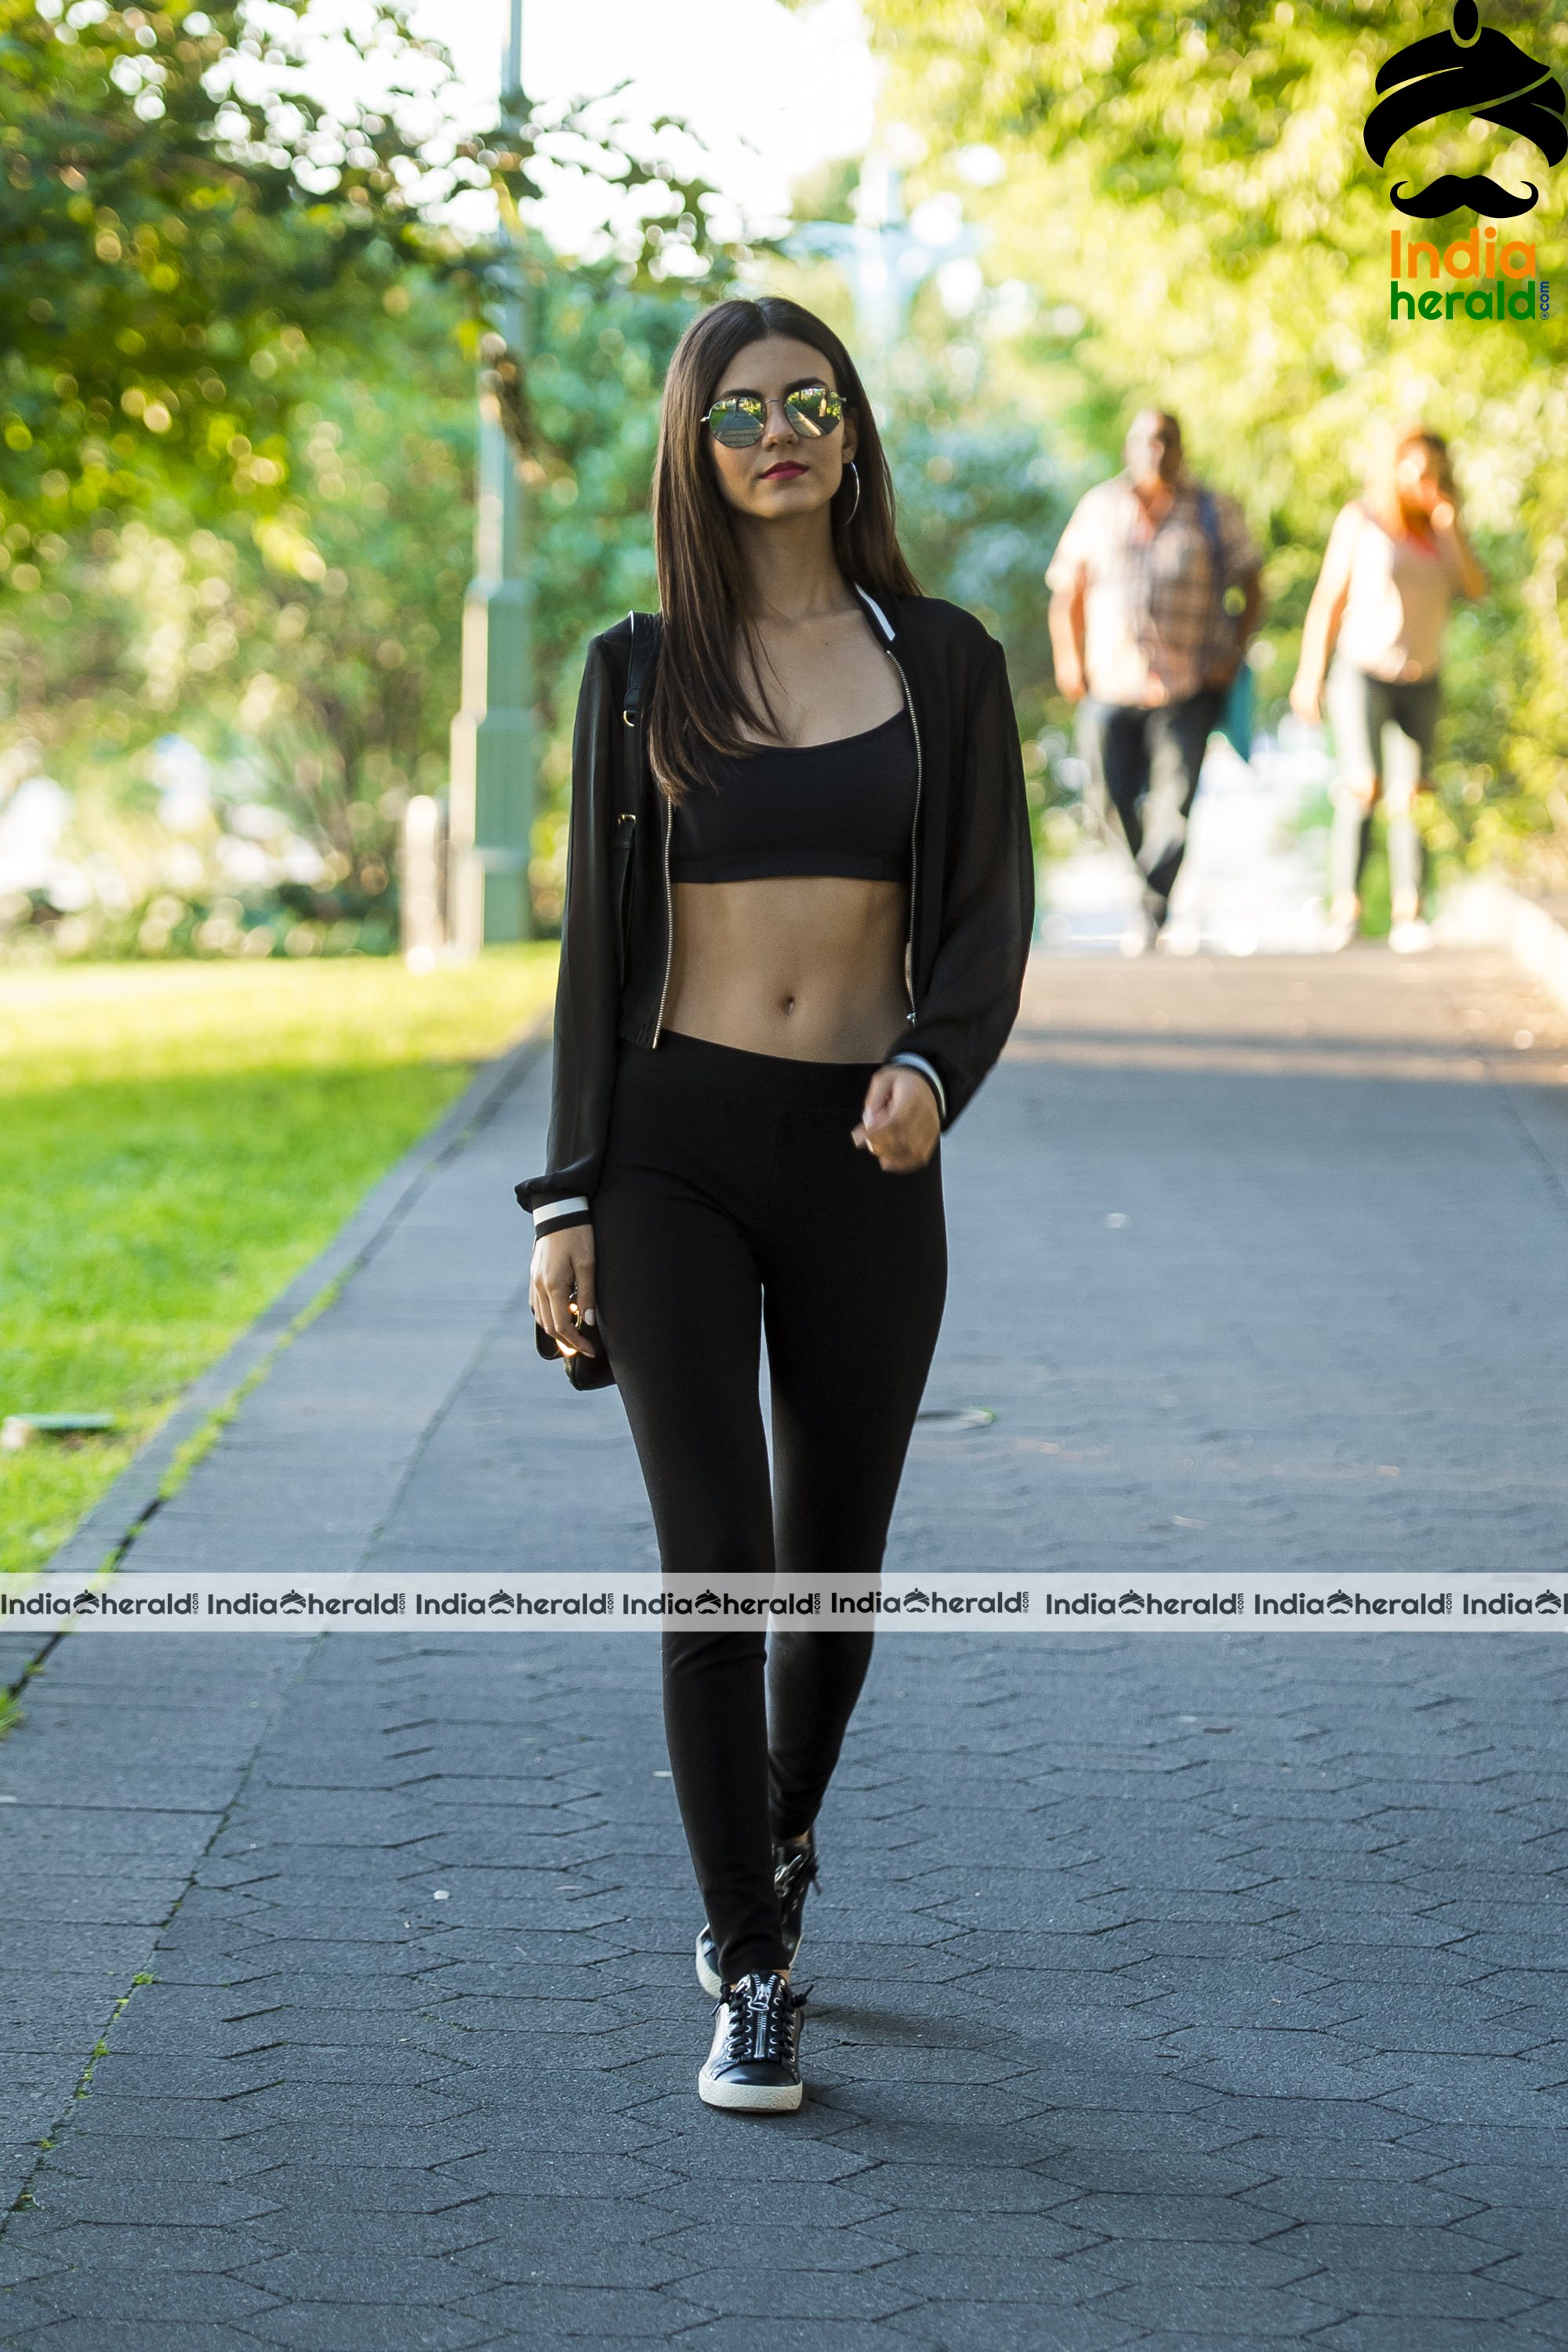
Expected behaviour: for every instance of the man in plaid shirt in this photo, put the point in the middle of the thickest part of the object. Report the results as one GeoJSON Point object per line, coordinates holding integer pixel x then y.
{"type": "Point", "coordinates": [1154, 593]}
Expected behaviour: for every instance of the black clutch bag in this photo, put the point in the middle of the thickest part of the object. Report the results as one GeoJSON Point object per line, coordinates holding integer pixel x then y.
{"type": "Point", "coordinates": [582, 1372]}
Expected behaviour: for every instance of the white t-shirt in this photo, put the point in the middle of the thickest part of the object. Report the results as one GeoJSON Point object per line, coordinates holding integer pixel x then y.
{"type": "Point", "coordinates": [1401, 587]}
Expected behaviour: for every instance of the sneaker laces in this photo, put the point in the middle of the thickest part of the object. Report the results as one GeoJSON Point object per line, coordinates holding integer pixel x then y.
{"type": "Point", "coordinates": [763, 2013]}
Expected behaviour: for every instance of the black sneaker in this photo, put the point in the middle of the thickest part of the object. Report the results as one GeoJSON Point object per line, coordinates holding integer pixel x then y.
{"type": "Point", "coordinates": [794, 1869]}
{"type": "Point", "coordinates": [754, 2067]}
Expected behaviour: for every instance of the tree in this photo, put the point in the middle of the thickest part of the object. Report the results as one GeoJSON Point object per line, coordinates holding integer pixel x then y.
{"type": "Point", "coordinates": [311, 653]}
{"type": "Point", "coordinates": [182, 225]}
{"type": "Point", "coordinates": [1187, 188]}
{"type": "Point", "coordinates": [179, 222]}
{"type": "Point", "coordinates": [237, 345]}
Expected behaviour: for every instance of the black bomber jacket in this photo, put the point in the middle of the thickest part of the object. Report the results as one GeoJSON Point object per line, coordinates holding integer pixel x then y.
{"type": "Point", "coordinates": [971, 899]}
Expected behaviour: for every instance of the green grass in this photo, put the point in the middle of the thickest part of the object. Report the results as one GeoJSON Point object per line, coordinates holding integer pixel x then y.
{"type": "Point", "coordinates": [175, 1142]}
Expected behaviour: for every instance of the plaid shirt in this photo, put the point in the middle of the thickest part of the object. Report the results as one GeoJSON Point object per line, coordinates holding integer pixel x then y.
{"type": "Point", "coordinates": [1153, 617]}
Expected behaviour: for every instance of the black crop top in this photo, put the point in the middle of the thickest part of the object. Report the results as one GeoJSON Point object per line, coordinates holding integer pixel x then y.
{"type": "Point", "coordinates": [815, 808]}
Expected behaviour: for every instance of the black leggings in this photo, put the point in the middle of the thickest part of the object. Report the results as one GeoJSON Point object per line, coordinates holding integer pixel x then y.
{"type": "Point", "coordinates": [733, 1201]}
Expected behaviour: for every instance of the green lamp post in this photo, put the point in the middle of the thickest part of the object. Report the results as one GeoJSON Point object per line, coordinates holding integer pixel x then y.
{"type": "Point", "coordinates": [491, 807]}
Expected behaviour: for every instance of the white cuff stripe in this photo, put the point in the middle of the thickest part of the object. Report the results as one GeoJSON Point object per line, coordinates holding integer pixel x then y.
{"type": "Point", "coordinates": [918, 1062]}
{"type": "Point", "coordinates": [549, 1209]}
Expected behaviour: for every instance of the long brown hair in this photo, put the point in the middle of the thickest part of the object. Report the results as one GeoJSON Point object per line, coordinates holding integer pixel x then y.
{"type": "Point", "coordinates": [700, 698]}
{"type": "Point", "coordinates": [1381, 493]}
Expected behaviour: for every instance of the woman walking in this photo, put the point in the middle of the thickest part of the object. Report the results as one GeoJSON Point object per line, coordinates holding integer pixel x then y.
{"type": "Point", "coordinates": [785, 969]}
{"type": "Point", "coordinates": [1395, 559]}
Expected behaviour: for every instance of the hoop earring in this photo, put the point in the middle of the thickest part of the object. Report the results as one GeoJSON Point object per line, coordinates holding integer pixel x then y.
{"type": "Point", "coordinates": [852, 469]}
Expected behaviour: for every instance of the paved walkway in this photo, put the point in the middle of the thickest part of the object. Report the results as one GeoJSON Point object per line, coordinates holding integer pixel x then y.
{"type": "Point", "coordinates": [1198, 1990]}
{"type": "Point", "coordinates": [1254, 874]}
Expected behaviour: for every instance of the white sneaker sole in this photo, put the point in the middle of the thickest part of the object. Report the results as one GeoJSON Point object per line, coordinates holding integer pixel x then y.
{"type": "Point", "coordinates": [709, 1979]}
{"type": "Point", "coordinates": [751, 2098]}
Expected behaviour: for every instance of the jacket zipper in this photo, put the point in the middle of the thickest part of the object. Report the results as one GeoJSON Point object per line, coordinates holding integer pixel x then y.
{"type": "Point", "coordinates": [914, 830]}
{"type": "Point", "coordinates": [668, 921]}
{"type": "Point", "coordinates": [668, 897]}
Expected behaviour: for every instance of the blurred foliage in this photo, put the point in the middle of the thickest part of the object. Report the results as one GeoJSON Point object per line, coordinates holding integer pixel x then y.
{"type": "Point", "coordinates": [981, 507]}
{"type": "Point", "coordinates": [179, 221]}
{"type": "Point", "coordinates": [1185, 191]}
{"type": "Point", "coordinates": [238, 518]}
{"type": "Point", "coordinates": [312, 656]}
{"type": "Point", "coordinates": [827, 193]}
{"type": "Point", "coordinates": [309, 657]}
{"type": "Point", "coordinates": [183, 224]}
{"type": "Point", "coordinates": [237, 343]}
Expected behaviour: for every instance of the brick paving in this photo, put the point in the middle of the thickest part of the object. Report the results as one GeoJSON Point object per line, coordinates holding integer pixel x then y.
{"type": "Point", "coordinates": [1195, 1992]}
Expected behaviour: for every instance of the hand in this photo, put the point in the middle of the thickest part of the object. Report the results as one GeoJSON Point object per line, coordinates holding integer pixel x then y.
{"type": "Point", "coordinates": [560, 1277]}
{"type": "Point", "coordinates": [1307, 698]}
{"type": "Point", "coordinates": [1071, 684]}
{"type": "Point", "coordinates": [900, 1123]}
{"type": "Point", "coordinates": [1445, 514]}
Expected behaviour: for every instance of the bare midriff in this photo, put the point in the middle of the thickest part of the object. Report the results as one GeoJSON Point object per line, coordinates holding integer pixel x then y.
{"type": "Point", "coordinates": [809, 967]}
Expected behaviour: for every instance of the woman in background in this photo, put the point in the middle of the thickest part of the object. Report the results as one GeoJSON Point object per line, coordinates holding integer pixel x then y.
{"type": "Point", "coordinates": [1396, 558]}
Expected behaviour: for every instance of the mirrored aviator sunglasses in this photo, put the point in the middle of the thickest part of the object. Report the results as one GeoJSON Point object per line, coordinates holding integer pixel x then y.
{"type": "Point", "coordinates": [740, 420]}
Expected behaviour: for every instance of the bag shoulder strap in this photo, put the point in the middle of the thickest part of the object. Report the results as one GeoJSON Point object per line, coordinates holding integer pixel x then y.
{"type": "Point", "coordinates": [640, 664]}
{"type": "Point", "coordinates": [1222, 628]}
{"type": "Point", "coordinates": [644, 646]}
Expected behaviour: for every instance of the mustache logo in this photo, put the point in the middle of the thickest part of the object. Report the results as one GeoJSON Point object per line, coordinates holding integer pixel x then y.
{"type": "Point", "coordinates": [1449, 194]}
{"type": "Point", "coordinates": [1475, 69]}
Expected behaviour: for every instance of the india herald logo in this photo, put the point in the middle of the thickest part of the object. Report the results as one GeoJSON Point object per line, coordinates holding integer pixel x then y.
{"type": "Point", "coordinates": [1474, 70]}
